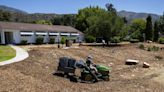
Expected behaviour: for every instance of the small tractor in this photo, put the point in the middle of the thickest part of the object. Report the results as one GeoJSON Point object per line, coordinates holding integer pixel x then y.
{"type": "Point", "coordinates": [68, 65]}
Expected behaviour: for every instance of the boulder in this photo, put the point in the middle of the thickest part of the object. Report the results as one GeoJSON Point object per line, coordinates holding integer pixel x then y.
{"type": "Point", "coordinates": [146, 65]}
{"type": "Point", "coordinates": [131, 62]}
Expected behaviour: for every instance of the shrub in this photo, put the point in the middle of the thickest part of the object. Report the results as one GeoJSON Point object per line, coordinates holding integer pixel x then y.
{"type": "Point", "coordinates": [52, 41]}
{"type": "Point", "coordinates": [137, 35]}
{"type": "Point", "coordinates": [90, 39]}
{"type": "Point", "coordinates": [161, 40]}
{"type": "Point", "coordinates": [154, 48]}
{"type": "Point", "coordinates": [126, 39]}
{"type": "Point", "coordinates": [141, 46]}
{"type": "Point", "coordinates": [23, 42]}
{"type": "Point", "coordinates": [149, 49]}
{"type": "Point", "coordinates": [158, 57]}
{"type": "Point", "coordinates": [134, 40]}
{"type": "Point", "coordinates": [115, 39]}
{"type": "Point", "coordinates": [39, 40]}
{"type": "Point", "coordinates": [63, 39]}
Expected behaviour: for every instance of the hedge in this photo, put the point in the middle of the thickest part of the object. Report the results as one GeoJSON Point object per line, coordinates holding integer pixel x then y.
{"type": "Point", "coordinates": [23, 42]}
{"type": "Point", "coordinates": [90, 39]}
{"type": "Point", "coordinates": [39, 40]}
{"type": "Point", "coordinates": [52, 41]}
{"type": "Point", "coordinates": [115, 39]}
{"type": "Point", "coordinates": [161, 40]}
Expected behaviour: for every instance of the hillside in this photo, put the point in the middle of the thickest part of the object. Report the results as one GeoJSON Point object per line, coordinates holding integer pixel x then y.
{"type": "Point", "coordinates": [133, 15]}
{"type": "Point", "coordinates": [23, 16]}
{"type": "Point", "coordinates": [19, 17]}
{"type": "Point", "coordinates": [11, 10]}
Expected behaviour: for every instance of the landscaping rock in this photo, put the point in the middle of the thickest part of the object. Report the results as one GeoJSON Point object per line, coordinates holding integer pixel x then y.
{"type": "Point", "coordinates": [131, 62]}
{"type": "Point", "coordinates": [146, 65]}
{"type": "Point", "coordinates": [110, 64]}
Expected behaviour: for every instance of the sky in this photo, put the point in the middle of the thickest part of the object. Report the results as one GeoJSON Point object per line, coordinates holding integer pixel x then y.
{"type": "Point", "coordinates": [72, 6]}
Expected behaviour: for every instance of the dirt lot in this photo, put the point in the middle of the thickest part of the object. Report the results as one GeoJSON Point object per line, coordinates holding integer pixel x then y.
{"type": "Point", "coordinates": [35, 73]}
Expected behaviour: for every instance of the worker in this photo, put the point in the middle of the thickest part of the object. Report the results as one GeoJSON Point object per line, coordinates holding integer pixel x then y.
{"type": "Point", "coordinates": [92, 68]}
{"type": "Point", "coordinates": [90, 63]}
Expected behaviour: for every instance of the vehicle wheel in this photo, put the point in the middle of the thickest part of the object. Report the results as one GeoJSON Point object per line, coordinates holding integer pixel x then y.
{"type": "Point", "coordinates": [106, 79]}
{"type": "Point", "coordinates": [73, 79]}
{"type": "Point", "coordinates": [88, 77]}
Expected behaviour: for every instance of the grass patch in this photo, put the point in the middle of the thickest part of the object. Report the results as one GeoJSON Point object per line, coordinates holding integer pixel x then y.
{"type": "Point", "coordinates": [6, 53]}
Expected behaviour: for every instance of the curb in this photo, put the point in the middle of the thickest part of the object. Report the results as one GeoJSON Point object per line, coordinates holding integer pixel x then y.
{"type": "Point", "coordinates": [21, 54]}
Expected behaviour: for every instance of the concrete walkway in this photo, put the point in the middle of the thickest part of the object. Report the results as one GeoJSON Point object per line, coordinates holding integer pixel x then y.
{"type": "Point", "coordinates": [21, 54]}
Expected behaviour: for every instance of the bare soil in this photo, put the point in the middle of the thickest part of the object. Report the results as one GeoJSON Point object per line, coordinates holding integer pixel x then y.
{"type": "Point", "coordinates": [35, 74]}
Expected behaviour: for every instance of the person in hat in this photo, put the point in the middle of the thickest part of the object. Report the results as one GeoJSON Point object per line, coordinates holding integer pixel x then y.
{"type": "Point", "coordinates": [90, 64]}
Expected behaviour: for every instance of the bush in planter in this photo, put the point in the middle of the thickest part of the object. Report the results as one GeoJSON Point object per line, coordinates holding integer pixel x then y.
{"type": "Point", "coordinates": [161, 40]}
{"type": "Point", "coordinates": [39, 40]}
{"type": "Point", "coordinates": [23, 42]}
{"type": "Point", "coordinates": [115, 39]}
{"type": "Point", "coordinates": [90, 39]}
{"type": "Point", "coordinates": [52, 41]}
{"type": "Point", "coordinates": [134, 40]}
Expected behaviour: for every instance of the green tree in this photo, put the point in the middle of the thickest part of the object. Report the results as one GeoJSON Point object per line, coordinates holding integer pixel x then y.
{"type": "Point", "coordinates": [109, 26]}
{"type": "Point", "coordinates": [156, 32]}
{"type": "Point", "coordinates": [57, 21]}
{"type": "Point", "coordinates": [104, 29]}
{"type": "Point", "coordinates": [125, 20]}
{"type": "Point", "coordinates": [149, 28]}
{"type": "Point", "coordinates": [99, 22]}
{"type": "Point", "coordinates": [137, 29]}
{"type": "Point", "coordinates": [66, 19]}
{"type": "Point", "coordinates": [69, 20]}
{"type": "Point", "coordinates": [85, 15]}
{"type": "Point", "coordinates": [111, 9]}
{"type": "Point", "coordinates": [161, 25]}
{"type": "Point", "coordinates": [124, 34]}
{"type": "Point", "coordinates": [138, 24]}
{"type": "Point", "coordinates": [43, 22]}
{"type": "Point", "coordinates": [4, 16]}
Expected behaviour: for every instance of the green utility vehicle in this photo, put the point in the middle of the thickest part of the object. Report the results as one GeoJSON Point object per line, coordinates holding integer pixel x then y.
{"type": "Point", "coordinates": [67, 67]}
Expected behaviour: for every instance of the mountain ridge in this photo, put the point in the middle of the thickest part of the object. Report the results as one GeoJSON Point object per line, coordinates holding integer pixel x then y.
{"type": "Point", "coordinates": [11, 10]}
{"type": "Point", "coordinates": [16, 13]}
{"type": "Point", "coordinates": [134, 15]}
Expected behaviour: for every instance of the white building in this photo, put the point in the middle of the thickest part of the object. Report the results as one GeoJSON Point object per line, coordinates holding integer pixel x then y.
{"type": "Point", "coordinates": [14, 33]}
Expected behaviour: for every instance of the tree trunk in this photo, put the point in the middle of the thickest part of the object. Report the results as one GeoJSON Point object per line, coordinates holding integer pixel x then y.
{"type": "Point", "coordinates": [107, 43]}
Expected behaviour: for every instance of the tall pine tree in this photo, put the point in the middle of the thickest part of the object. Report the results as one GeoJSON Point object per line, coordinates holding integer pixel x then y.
{"type": "Point", "coordinates": [149, 29]}
{"type": "Point", "coordinates": [156, 31]}
{"type": "Point", "coordinates": [161, 25]}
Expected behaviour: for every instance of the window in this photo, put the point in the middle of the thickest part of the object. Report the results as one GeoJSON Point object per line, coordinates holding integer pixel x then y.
{"type": "Point", "coordinates": [41, 33]}
{"type": "Point", "coordinates": [24, 33]}
{"type": "Point", "coordinates": [74, 34]}
{"type": "Point", "coordinates": [65, 34]}
{"type": "Point", "coordinates": [53, 34]}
